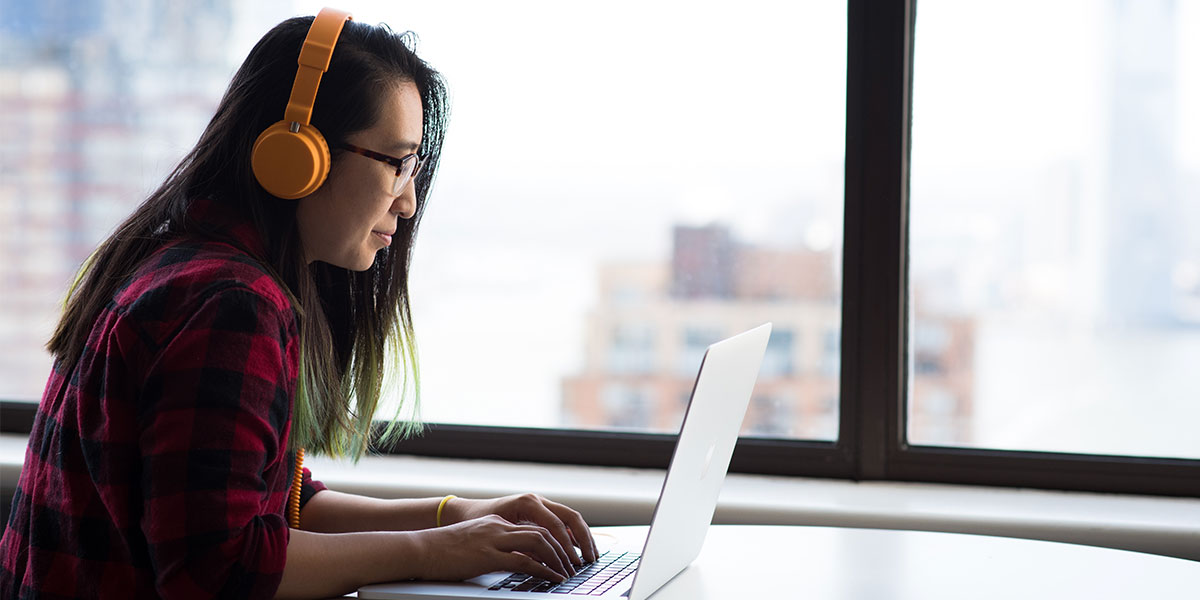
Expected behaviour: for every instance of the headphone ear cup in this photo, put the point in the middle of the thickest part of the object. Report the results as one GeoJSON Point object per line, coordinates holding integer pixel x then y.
{"type": "Point", "coordinates": [290, 165]}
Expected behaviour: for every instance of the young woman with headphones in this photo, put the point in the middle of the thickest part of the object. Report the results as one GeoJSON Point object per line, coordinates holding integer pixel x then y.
{"type": "Point", "coordinates": [247, 311]}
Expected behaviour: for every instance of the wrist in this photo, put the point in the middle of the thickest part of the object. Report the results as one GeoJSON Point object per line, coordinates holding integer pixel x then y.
{"type": "Point", "coordinates": [442, 517]}
{"type": "Point", "coordinates": [459, 509]}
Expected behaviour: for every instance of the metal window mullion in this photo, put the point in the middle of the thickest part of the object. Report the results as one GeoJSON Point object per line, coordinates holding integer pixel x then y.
{"type": "Point", "coordinates": [877, 115]}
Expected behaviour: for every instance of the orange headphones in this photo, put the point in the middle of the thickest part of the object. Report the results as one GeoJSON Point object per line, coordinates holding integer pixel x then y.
{"type": "Point", "coordinates": [291, 158]}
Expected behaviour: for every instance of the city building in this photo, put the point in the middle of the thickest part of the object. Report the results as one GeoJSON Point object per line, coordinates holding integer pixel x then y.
{"type": "Point", "coordinates": [1142, 200]}
{"type": "Point", "coordinates": [653, 321]}
{"type": "Point", "coordinates": [98, 102]}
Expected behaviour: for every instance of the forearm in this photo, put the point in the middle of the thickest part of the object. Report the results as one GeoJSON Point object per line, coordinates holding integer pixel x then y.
{"type": "Point", "coordinates": [335, 512]}
{"type": "Point", "coordinates": [329, 565]}
{"type": "Point", "coordinates": [477, 536]}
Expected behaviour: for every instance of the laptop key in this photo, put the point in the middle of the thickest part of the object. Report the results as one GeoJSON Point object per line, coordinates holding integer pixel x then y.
{"type": "Point", "coordinates": [529, 586]}
{"type": "Point", "coordinates": [513, 580]}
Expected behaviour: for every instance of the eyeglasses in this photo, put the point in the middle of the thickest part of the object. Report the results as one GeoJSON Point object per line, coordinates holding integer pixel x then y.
{"type": "Point", "coordinates": [407, 166]}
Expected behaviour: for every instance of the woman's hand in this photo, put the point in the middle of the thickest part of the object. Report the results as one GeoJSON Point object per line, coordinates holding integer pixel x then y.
{"type": "Point", "coordinates": [565, 525]}
{"type": "Point", "coordinates": [490, 543]}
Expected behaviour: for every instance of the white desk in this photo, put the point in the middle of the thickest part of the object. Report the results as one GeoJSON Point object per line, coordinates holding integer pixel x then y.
{"type": "Point", "coordinates": [834, 563]}
{"type": "Point", "coordinates": [762, 562]}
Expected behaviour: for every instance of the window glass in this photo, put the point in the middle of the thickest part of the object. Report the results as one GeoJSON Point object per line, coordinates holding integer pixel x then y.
{"type": "Point", "coordinates": [622, 184]}
{"type": "Point", "coordinates": [98, 101]}
{"type": "Point", "coordinates": [1055, 271]}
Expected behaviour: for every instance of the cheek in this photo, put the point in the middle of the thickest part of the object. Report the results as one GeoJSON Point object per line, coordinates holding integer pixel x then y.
{"type": "Point", "coordinates": [345, 213]}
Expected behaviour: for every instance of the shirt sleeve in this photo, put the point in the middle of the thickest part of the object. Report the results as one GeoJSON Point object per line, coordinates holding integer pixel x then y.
{"type": "Point", "coordinates": [213, 411]}
{"type": "Point", "coordinates": [309, 488]}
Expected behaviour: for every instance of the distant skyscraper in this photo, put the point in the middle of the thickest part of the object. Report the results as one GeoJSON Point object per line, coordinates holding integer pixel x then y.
{"type": "Point", "coordinates": [34, 27]}
{"type": "Point", "coordinates": [1142, 227]}
{"type": "Point", "coordinates": [702, 262]}
{"type": "Point", "coordinates": [98, 100]}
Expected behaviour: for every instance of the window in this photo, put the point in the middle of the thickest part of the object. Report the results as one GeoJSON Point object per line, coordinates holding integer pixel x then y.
{"type": "Point", "coordinates": [667, 186]}
{"type": "Point", "coordinates": [778, 361]}
{"type": "Point", "coordinates": [1054, 260]}
{"type": "Point", "coordinates": [97, 102]}
{"type": "Point", "coordinates": [625, 407]}
{"type": "Point", "coordinates": [678, 172]}
{"type": "Point", "coordinates": [631, 349]}
{"type": "Point", "coordinates": [772, 415]}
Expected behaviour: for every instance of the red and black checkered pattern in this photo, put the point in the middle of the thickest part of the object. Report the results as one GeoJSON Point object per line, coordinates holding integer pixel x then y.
{"type": "Point", "coordinates": [158, 466]}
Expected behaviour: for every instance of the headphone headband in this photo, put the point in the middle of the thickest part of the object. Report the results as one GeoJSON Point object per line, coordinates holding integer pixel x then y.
{"type": "Point", "coordinates": [291, 159]}
{"type": "Point", "coordinates": [313, 62]}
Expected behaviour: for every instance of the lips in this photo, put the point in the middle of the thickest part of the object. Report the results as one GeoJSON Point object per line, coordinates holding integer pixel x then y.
{"type": "Point", "coordinates": [386, 237]}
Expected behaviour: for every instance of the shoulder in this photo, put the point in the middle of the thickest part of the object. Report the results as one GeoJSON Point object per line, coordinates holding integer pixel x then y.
{"type": "Point", "coordinates": [186, 275]}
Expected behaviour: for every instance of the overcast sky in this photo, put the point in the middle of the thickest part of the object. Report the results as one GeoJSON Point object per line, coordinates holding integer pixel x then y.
{"type": "Point", "coordinates": [694, 62]}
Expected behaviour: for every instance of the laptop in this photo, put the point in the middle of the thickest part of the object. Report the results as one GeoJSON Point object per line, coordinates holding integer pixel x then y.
{"type": "Point", "coordinates": [685, 505]}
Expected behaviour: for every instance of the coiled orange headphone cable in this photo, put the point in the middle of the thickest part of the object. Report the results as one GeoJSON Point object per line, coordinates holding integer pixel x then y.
{"type": "Point", "coordinates": [294, 493]}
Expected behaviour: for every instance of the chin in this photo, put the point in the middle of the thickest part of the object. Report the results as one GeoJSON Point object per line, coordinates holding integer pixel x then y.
{"type": "Point", "coordinates": [362, 265]}
{"type": "Point", "coordinates": [354, 263]}
{"type": "Point", "coordinates": [355, 259]}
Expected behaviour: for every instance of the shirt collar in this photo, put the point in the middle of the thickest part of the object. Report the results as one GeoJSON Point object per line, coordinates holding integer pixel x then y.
{"type": "Point", "coordinates": [229, 223]}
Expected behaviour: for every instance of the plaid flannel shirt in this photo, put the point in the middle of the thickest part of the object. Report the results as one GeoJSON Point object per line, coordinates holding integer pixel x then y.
{"type": "Point", "coordinates": [158, 465]}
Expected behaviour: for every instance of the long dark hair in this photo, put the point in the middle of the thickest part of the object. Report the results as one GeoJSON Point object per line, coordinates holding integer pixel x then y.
{"type": "Point", "coordinates": [364, 317]}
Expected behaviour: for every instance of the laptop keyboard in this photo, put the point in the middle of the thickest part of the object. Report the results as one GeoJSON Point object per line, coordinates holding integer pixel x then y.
{"type": "Point", "coordinates": [592, 580]}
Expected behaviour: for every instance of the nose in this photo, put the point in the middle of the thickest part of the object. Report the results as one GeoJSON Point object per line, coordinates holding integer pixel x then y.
{"type": "Point", "coordinates": [405, 205]}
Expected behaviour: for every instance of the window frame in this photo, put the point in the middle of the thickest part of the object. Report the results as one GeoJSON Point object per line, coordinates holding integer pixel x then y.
{"type": "Point", "coordinates": [872, 444]}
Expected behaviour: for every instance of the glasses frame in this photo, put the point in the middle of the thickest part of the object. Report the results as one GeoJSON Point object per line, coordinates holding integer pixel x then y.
{"type": "Point", "coordinates": [399, 163]}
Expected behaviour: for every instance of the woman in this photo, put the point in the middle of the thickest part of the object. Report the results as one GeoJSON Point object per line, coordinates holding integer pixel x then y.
{"type": "Point", "coordinates": [221, 330]}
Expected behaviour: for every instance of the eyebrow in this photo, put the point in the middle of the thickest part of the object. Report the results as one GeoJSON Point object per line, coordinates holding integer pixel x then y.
{"type": "Point", "coordinates": [404, 145]}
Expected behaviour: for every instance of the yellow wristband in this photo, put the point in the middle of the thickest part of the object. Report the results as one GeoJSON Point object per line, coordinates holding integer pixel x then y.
{"type": "Point", "coordinates": [441, 506]}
